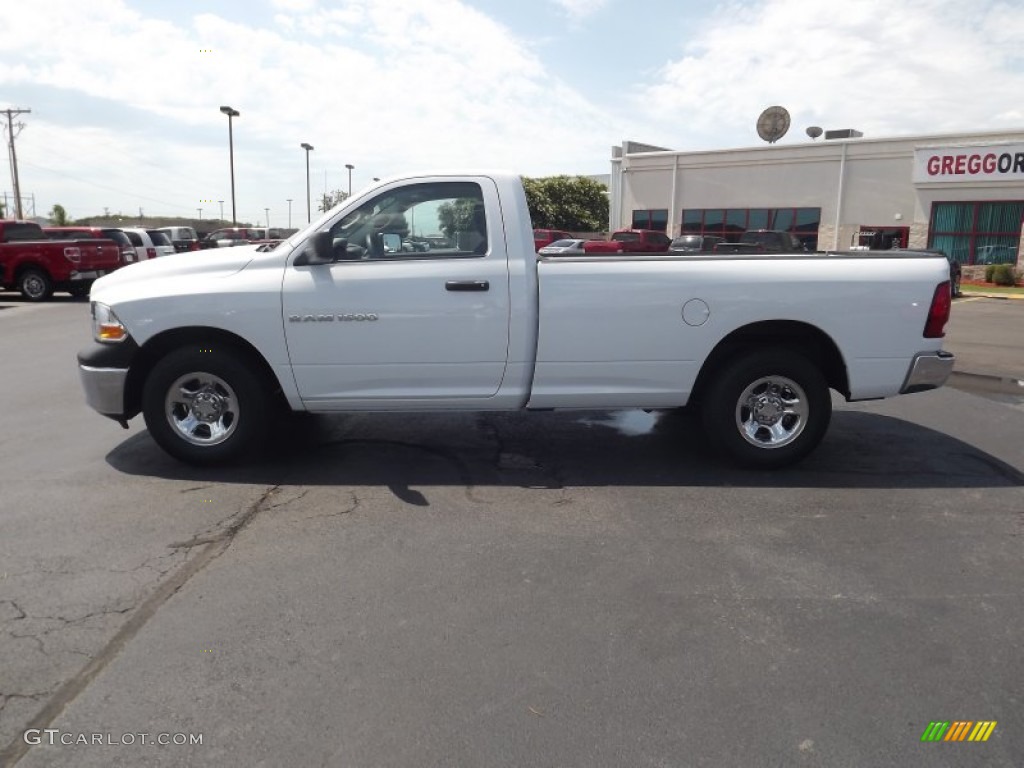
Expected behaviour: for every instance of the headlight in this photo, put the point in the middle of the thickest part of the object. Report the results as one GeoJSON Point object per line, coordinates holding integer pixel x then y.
{"type": "Point", "coordinates": [105, 325]}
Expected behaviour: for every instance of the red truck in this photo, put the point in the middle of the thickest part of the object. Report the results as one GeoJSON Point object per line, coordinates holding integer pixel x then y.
{"type": "Point", "coordinates": [545, 237]}
{"type": "Point", "coordinates": [37, 266]}
{"type": "Point", "coordinates": [642, 240]}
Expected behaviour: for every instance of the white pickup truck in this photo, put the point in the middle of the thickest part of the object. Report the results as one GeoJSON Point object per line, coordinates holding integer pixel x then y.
{"type": "Point", "coordinates": [425, 293]}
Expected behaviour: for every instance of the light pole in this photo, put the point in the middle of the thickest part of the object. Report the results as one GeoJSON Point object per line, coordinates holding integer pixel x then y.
{"type": "Point", "coordinates": [350, 167]}
{"type": "Point", "coordinates": [267, 211]}
{"type": "Point", "coordinates": [309, 208]}
{"type": "Point", "coordinates": [221, 209]}
{"type": "Point", "coordinates": [200, 213]}
{"type": "Point", "coordinates": [231, 149]}
{"type": "Point", "coordinates": [289, 213]}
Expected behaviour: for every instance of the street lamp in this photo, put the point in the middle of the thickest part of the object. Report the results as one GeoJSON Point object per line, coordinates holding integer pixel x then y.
{"type": "Point", "coordinates": [289, 213]}
{"type": "Point", "coordinates": [309, 209]}
{"type": "Point", "coordinates": [221, 209]}
{"type": "Point", "coordinates": [200, 213]}
{"type": "Point", "coordinates": [267, 210]}
{"type": "Point", "coordinates": [350, 167]}
{"type": "Point", "coordinates": [231, 145]}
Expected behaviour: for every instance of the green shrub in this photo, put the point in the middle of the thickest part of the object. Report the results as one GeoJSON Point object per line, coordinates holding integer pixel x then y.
{"type": "Point", "coordinates": [989, 271]}
{"type": "Point", "coordinates": [1002, 274]}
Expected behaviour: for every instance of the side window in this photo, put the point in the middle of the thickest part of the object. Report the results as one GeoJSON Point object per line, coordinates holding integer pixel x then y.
{"type": "Point", "coordinates": [134, 237]}
{"type": "Point", "coordinates": [433, 220]}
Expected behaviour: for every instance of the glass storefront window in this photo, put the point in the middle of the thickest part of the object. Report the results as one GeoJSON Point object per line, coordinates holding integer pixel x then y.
{"type": "Point", "coordinates": [977, 232]}
{"type": "Point", "coordinates": [758, 218]}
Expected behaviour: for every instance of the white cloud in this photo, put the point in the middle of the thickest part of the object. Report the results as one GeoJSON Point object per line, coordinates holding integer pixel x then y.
{"type": "Point", "coordinates": [388, 85]}
{"type": "Point", "coordinates": [577, 10]}
{"type": "Point", "coordinates": [878, 66]}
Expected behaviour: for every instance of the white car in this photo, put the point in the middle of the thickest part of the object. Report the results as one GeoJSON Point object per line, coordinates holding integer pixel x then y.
{"type": "Point", "coordinates": [572, 247]}
{"type": "Point", "coordinates": [150, 243]}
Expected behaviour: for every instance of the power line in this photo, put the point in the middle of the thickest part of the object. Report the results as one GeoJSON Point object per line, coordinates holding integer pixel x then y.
{"type": "Point", "coordinates": [14, 158]}
{"type": "Point", "coordinates": [102, 186]}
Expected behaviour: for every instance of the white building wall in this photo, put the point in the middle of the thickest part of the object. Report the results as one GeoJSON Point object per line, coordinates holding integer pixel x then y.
{"type": "Point", "coordinates": [877, 189]}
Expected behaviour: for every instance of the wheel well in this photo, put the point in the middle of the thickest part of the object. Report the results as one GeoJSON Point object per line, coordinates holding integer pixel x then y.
{"type": "Point", "coordinates": [813, 343]}
{"type": "Point", "coordinates": [25, 266]}
{"type": "Point", "coordinates": [204, 338]}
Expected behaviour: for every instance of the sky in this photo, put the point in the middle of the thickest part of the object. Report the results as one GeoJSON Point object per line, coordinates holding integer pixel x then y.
{"type": "Point", "coordinates": [126, 94]}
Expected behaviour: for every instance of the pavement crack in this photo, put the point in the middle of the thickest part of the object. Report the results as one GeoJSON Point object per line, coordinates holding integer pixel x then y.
{"type": "Point", "coordinates": [71, 688]}
{"type": "Point", "coordinates": [8, 697]}
{"type": "Point", "coordinates": [347, 511]}
{"type": "Point", "coordinates": [286, 502]}
{"type": "Point", "coordinates": [16, 607]}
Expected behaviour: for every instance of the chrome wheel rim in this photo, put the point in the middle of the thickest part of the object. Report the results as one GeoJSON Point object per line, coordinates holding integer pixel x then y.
{"type": "Point", "coordinates": [202, 408]}
{"type": "Point", "coordinates": [34, 286]}
{"type": "Point", "coordinates": [772, 412]}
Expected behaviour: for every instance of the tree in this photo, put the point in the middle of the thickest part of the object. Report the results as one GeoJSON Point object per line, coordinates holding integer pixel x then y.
{"type": "Point", "coordinates": [456, 216]}
{"type": "Point", "coordinates": [329, 201]}
{"type": "Point", "coordinates": [59, 216]}
{"type": "Point", "coordinates": [575, 203]}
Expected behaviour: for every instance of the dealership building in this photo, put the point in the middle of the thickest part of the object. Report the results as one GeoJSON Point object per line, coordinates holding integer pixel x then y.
{"type": "Point", "coordinates": [962, 193]}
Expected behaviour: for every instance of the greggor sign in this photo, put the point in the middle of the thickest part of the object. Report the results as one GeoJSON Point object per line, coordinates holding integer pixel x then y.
{"type": "Point", "coordinates": [991, 162]}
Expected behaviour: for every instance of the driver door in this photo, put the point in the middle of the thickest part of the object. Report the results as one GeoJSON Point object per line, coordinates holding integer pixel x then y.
{"type": "Point", "coordinates": [414, 311]}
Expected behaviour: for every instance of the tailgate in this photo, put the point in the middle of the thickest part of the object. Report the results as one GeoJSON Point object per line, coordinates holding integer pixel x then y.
{"type": "Point", "coordinates": [99, 254]}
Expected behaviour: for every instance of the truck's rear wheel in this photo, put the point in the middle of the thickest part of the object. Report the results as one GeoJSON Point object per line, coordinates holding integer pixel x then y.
{"type": "Point", "coordinates": [206, 406]}
{"type": "Point", "coordinates": [35, 285]}
{"type": "Point", "coordinates": [768, 408]}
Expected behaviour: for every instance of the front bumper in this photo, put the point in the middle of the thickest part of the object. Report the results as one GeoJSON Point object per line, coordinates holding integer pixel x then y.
{"type": "Point", "coordinates": [104, 389]}
{"type": "Point", "coordinates": [103, 369]}
{"type": "Point", "coordinates": [928, 370]}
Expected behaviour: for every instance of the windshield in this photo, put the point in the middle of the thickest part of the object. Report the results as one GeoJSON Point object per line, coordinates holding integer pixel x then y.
{"type": "Point", "coordinates": [625, 237]}
{"type": "Point", "coordinates": [562, 244]}
{"type": "Point", "coordinates": [158, 238]}
{"type": "Point", "coordinates": [687, 242]}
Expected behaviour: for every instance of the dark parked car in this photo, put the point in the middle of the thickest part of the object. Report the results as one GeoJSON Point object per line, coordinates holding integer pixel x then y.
{"type": "Point", "coordinates": [695, 244]}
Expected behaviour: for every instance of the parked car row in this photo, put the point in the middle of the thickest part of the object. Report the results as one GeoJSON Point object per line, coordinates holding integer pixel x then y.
{"type": "Point", "coordinates": [37, 263]}
{"type": "Point", "coordinates": [654, 241]}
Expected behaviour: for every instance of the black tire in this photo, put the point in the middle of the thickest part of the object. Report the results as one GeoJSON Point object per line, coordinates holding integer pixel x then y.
{"type": "Point", "coordinates": [79, 291]}
{"type": "Point", "coordinates": [222, 392]}
{"type": "Point", "coordinates": [956, 286]}
{"type": "Point", "coordinates": [35, 285]}
{"type": "Point", "coordinates": [793, 413]}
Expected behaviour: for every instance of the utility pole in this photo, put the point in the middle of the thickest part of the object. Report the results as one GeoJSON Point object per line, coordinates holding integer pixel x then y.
{"type": "Point", "coordinates": [200, 213]}
{"type": "Point", "coordinates": [14, 158]}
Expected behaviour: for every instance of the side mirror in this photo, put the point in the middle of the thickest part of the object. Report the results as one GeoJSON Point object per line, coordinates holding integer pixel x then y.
{"type": "Point", "coordinates": [319, 250]}
{"type": "Point", "coordinates": [392, 242]}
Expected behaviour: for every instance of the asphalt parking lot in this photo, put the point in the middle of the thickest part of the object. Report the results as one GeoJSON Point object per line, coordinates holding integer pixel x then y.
{"type": "Point", "coordinates": [563, 589]}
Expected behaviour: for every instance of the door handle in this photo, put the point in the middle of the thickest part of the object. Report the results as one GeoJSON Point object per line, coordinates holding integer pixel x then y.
{"type": "Point", "coordinates": [467, 285]}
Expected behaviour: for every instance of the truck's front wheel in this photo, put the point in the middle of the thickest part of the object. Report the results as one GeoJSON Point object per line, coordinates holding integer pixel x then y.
{"type": "Point", "coordinates": [768, 408]}
{"type": "Point", "coordinates": [205, 405]}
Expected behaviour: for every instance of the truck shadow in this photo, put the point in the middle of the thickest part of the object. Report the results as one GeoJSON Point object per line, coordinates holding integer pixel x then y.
{"type": "Point", "coordinates": [579, 449]}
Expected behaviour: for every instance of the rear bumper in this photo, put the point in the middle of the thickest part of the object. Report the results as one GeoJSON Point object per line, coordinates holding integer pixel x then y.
{"type": "Point", "coordinates": [89, 274]}
{"type": "Point", "coordinates": [928, 370]}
